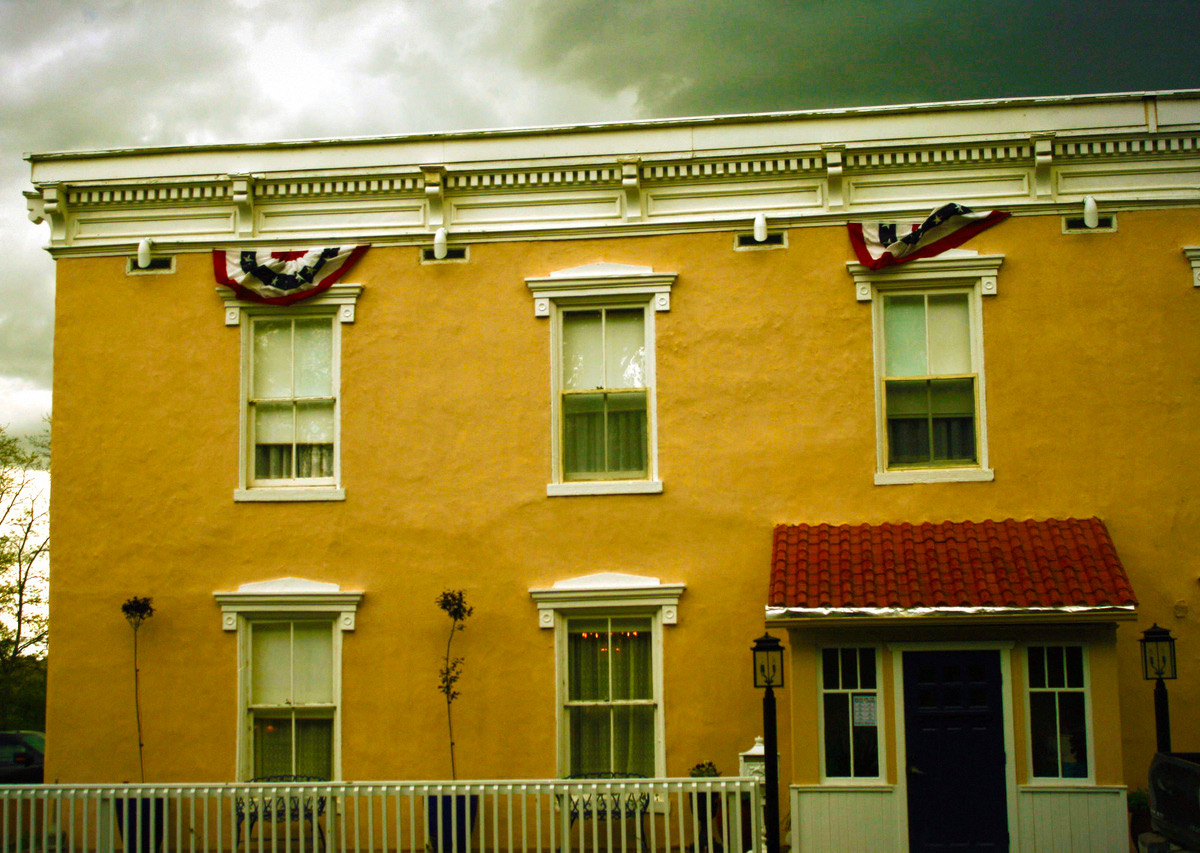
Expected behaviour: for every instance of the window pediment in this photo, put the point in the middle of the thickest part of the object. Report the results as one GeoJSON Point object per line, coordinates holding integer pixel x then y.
{"type": "Point", "coordinates": [289, 596]}
{"type": "Point", "coordinates": [601, 281]}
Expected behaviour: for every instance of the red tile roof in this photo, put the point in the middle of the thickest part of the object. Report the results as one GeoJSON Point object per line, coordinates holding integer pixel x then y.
{"type": "Point", "coordinates": [996, 564]}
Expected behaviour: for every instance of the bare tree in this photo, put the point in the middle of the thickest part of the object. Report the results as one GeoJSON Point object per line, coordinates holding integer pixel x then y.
{"type": "Point", "coordinates": [24, 549]}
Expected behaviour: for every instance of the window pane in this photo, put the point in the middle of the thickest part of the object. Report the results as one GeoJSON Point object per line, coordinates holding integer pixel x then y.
{"type": "Point", "coordinates": [954, 439]}
{"type": "Point", "coordinates": [273, 423]}
{"type": "Point", "coordinates": [1055, 675]}
{"type": "Point", "coordinates": [314, 423]}
{"type": "Point", "coordinates": [591, 734]}
{"type": "Point", "coordinates": [272, 374]}
{"type": "Point", "coordinates": [633, 740]}
{"type": "Point", "coordinates": [272, 746]}
{"type": "Point", "coordinates": [829, 669]}
{"type": "Point", "coordinates": [908, 398]}
{"type": "Point", "coordinates": [272, 461]}
{"type": "Point", "coordinates": [583, 434]}
{"type": "Point", "coordinates": [625, 349]}
{"type": "Point", "coordinates": [1043, 734]}
{"type": "Point", "coordinates": [949, 334]}
{"type": "Point", "coordinates": [627, 433]}
{"type": "Point", "coordinates": [866, 751]}
{"type": "Point", "coordinates": [1074, 666]}
{"type": "Point", "coordinates": [270, 675]}
{"type": "Point", "coordinates": [850, 668]}
{"type": "Point", "coordinates": [866, 658]}
{"type": "Point", "coordinates": [314, 357]}
{"type": "Point", "coordinates": [312, 662]}
{"type": "Point", "coordinates": [587, 659]}
{"type": "Point", "coordinates": [952, 397]}
{"type": "Point", "coordinates": [630, 652]}
{"type": "Point", "coordinates": [314, 747]}
{"type": "Point", "coordinates": [582, 350]}
{"type": "Point", "coordinates": [1037, 666]}
{"type": "Point", "coordinates": [904, 335]}
{"type": "Point", "coordinates": [837, 734]}
{"type": "Point", "coordinates": [1072, 735]}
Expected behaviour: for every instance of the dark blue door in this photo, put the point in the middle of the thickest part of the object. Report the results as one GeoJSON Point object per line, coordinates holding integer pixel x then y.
{"type": "Point", "coordinates": [954, 740]}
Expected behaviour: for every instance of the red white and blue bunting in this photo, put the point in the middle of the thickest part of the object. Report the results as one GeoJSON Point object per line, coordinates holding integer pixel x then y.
{"type": "Point", "coordinates": [884, 244]}
{"type": "Point", "coordinates": [283, 277]}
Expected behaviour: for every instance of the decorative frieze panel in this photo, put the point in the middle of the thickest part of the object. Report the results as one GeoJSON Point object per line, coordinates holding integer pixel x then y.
{"type": "Point", "coordinates": [550, 178]}
{"type": "Point", "coordinates": [1117, 147]}
{"type": "Point", "coordinates": [929, 188]}
{"type": "Point", "coordinates": [716, 169]}
{"type": "Point", "coordinates": [935, 157]}
{"type": "Point", "coordinates": [356, 187]}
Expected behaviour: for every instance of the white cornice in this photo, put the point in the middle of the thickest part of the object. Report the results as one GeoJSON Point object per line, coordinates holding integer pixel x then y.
{"type": "Point", "coordinates": [601, 280]}
{"type": "Point", "coordinates": [1031, 155]}
{"type": "Point", "coordinates": [951, 268]}
{"type": "Point", "coordinates": [1192, 253]}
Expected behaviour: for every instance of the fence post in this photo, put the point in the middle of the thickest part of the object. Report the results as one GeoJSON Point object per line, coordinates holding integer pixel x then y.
{"type": "Point", "coordinates": [753, 763]}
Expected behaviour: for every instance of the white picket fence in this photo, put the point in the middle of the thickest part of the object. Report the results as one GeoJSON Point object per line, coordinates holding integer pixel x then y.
{"type": "Point", "coordinates": [719, 815]}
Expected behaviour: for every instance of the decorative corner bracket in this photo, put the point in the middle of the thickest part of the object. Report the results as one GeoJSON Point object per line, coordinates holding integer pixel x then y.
{"type": "Point", "coordinates": [242, 196]}
{"type": "Point", "coordinates": [1043, 159]}
{"type": "Point", "coordinates": [1193, 255]}
{"type": "Point", "coordinates": [49, 204]}
{"type": "Point", "coordinates": [945, 270]}
{"type": "Point", "coordinates": [631, 183]}
{"type": "Point", "coordinates": [435, 193]}
{"type": "Point", "coordinates": [834, 161]}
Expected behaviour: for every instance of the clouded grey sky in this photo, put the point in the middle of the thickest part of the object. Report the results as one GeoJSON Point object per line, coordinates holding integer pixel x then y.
{"type": "Point", "coordinates": [115, 73]}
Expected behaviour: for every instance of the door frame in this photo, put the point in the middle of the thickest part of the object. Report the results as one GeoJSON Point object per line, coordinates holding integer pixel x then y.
{"type": "Point", "coordinates": [1004, 648]}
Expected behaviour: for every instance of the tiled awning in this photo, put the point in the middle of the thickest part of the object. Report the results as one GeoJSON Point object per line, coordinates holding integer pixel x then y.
{"type": "Point", "coordinates": [1053, 567]}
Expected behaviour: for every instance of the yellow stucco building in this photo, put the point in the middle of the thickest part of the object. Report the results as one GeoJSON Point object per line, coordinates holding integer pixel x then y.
{"type": "Point", "coordinates": [630, 387]}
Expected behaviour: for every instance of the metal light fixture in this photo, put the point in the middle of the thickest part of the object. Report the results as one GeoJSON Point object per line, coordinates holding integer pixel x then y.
{"type": "Point", "coordinates": [760, 228]}
{"type": "Point", "coordinates": [768, 674]}
{"type": "Point", "coordinates": [1091, 214]}
{"type": "Point", "coordinates": [768, 662]}
{"type": "Point", "coordinates": [439, 243]}
{"type": "Point", "coordinates": [1158, 663]}
{"type": "Point", "coordinates": [143, 252]}
{"type": "Point", "coordinates": [1158, 653]}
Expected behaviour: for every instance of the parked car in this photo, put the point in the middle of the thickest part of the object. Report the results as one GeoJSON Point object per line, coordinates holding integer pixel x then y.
{"type": "Point", "coordinates": [21, 757]}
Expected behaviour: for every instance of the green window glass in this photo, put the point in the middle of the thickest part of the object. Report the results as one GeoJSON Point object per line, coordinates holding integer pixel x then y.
{"type": "Point", "coordinates": [1057, 712]}
{"type": "Point", "coordinates": [929, 382]}
{"type": "Point", "coordinates": [850, 708]}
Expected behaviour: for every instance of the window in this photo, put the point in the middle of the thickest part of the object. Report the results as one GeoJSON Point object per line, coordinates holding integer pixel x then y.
{"type": "Point", "coordinates": [289, 634]}
{"type": "Point", "coordinates": [292, 703]}
{"type": "Point", "coordinates": [610, 707]}
{"type": "Point", "coordinates": [603, 438]}
{"type": "Point", "coordinates": [291, 415]}
{"type": "Point", "coordinates": [930, 399]}
{"type": "Point", "coordinates": [1058, 738]}
{"type": "Point", "coordinates": [292, 404]}
{"type": "Point", "coordinates": [850, 713]}
{"type": "Point", "coordinates": [604, 394]}
{"type": "Point", "coordinates": [608, 637]}
{"type": "Point", "coordinates": [929, 381]}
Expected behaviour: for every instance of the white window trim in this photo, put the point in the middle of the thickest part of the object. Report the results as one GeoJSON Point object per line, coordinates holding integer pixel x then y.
{"type": "Point", "coordinates": [337, 302]}
{"type": "Point", "coordinates": [879, 780]}
{"type": "Point", "coordinates": [286, 599]}
{"type": "Point", "coordinates": [609, 286]}
{"type": "Point", "coordinates": [607, 594]}
{"type": "Point", "coordinates": [1032, 781]}
{"type": "Point", "coordinates": [956, 270]}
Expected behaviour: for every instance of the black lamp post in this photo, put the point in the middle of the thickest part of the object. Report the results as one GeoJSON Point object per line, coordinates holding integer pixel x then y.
{"type": "Point", "coordinates": [768, 673]}
{"type": "Point", "coordinates": [1158, 662]}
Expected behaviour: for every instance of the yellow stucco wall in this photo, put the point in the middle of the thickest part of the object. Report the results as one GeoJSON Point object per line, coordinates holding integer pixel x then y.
{"type": "Point", "coordinates": [765, 414]}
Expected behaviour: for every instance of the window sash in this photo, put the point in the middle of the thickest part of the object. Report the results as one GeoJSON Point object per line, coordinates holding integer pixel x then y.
{"type": "Point", "coordinates": [604, 399]}
{"type": "Point", "coordinates": [930, 417]}
{"type": "Point", "coordinates": [291, 408]}
{"type": "Point", "coordinates": [610, 700]}
{"type": "Point", "coordinates": [850, 749]}
{"type": "Point", "coordinates": [1059, 736]}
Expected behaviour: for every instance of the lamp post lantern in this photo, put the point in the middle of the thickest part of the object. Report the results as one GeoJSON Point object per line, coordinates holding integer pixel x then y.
{"type": "Point", "coordinates": [1158, 663]}
{"type": "Point", "coordinates": [768, 674]}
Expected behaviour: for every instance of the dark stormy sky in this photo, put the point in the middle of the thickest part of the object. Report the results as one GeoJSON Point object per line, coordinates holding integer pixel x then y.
{"type": "Point", "coordinates": [110, 73]}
